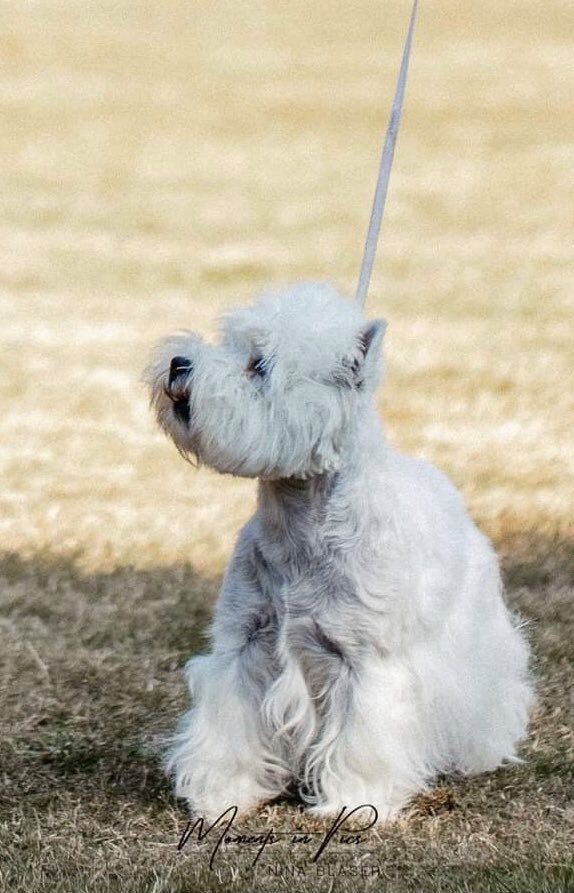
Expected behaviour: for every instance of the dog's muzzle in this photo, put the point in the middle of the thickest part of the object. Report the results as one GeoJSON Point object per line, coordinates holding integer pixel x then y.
{"type": "Point", "coordinates": [178, 387]}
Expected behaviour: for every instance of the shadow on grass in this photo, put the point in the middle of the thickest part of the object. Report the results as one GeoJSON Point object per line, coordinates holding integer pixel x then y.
{"type": "Point", "coordinates": [92, 668]}
{"type": "Point", "coordinates": [92, 662]}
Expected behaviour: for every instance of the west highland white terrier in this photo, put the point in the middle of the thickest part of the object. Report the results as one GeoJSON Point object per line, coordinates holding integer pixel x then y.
{"type": "Point", "coordinates": [360, 643]}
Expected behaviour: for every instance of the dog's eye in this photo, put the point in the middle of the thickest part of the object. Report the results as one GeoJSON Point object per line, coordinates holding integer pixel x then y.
{"type": "Point", "coordinates": [257, 366]}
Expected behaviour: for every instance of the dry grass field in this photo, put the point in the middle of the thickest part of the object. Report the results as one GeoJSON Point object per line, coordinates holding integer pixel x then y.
{"type": "Point", "coordinates": [163, 160]}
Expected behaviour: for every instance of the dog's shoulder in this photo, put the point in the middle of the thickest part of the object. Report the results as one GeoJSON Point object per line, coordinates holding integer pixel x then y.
{"type": "Point", "coordinates": [411, 476]}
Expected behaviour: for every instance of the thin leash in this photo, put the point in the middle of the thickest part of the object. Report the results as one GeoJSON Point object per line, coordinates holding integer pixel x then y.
{"type": "Point", "coordinates": [385, 169]}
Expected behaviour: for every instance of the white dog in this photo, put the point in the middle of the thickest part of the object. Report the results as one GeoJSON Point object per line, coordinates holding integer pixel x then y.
{"type": "Point", "coordinates": [360, 644]}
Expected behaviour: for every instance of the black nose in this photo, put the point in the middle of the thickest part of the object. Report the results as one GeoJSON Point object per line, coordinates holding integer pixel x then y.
{"type": "Point", "coordinates": [178, 366]}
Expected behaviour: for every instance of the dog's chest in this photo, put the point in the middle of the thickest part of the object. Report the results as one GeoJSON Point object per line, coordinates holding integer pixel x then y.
{"type": "Point", "coordinates": [320, 624]}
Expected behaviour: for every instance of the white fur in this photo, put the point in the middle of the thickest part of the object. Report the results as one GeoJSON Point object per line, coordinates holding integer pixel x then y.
{"type": "Point", "coordinates": [361, 644]}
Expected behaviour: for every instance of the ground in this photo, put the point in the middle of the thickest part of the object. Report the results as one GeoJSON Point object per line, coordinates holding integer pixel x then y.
{"type": "Point", "coordinates": [162, 161]}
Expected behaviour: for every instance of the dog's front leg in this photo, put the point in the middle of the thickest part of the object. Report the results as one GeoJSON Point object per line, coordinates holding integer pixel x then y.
{"type": "Point", "coordinates": [371, 748]}
{"type": "Point", "coordinates": [224, 754]}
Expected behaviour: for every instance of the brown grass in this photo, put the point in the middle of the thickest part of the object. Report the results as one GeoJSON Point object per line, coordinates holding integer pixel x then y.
{"type": "Point", "coordinates": [163, 160]}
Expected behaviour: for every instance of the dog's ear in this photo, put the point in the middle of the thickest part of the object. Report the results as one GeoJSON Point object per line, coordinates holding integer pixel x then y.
{"type": "Point", "coordinates": [361, 364]}
{"type": "Point", "coordinates": [371, 338]}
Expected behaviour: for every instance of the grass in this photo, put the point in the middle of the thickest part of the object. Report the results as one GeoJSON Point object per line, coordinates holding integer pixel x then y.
{"type": "Point", "coordinates": [159, 164]}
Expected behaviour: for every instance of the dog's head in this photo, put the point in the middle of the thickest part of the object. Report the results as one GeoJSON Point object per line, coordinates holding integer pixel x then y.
{"type": "Point", "coordinates": [281, 394]}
